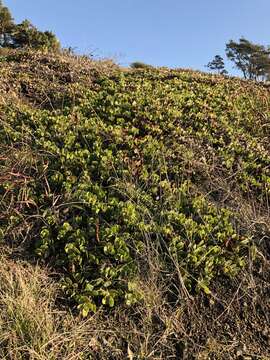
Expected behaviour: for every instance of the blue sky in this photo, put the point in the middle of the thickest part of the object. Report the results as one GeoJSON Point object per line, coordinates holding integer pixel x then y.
{"type": "Point", "coordinates": [174, 33]}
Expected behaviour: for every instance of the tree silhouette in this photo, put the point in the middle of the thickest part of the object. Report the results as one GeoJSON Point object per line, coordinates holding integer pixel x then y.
{"type": "Point", "coordinates": [251, 59]}
{"type": "Point", "coordinates": [217, 64]}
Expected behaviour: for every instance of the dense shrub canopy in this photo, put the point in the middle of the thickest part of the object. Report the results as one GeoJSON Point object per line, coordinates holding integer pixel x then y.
{"type": "Point", "coordinates": [152, 159]}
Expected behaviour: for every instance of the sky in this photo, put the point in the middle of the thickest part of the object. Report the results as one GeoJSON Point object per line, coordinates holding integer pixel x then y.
{"type": "Point", "coordinates": [173, 33]}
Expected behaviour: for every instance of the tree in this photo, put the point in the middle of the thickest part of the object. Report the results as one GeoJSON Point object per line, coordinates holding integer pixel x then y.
{"type": "Point", "coordinates": [6, 26]}
{"type": "Point", "coordinates": [24, 34]}
{"type": "Point", "coordinates": [252, 59]}
{"type": "Point", "coordinates": [261, 63]}
{"type": "Point", "coordinates": [217, 64]}
{"type": "Point", "coordinates": [27, 35]}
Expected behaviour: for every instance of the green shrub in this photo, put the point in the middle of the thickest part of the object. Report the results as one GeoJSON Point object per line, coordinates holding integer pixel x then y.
{"type": "Point", "coordinates": [130, 165]}
{"type": "Point", "coordinates": [140, 65]}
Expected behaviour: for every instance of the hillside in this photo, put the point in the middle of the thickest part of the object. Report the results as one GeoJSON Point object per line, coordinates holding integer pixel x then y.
{"type": "Point", "coordinates": [143, 195]}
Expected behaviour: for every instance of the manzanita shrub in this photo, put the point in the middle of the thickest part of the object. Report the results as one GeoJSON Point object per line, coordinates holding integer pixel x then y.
{"type": "Point", "coordinates": [131, 165]}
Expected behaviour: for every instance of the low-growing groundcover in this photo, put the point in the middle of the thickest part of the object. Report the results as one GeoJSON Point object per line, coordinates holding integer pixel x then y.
{"type": "Point", "coordinates": [141, 162]}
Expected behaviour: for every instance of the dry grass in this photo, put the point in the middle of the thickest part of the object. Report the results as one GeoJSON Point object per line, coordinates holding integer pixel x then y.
{"type": "Point", "coordinates": [31, 327]}
{"type": "Point", "coordinates": [48, 80]}
{"type": "Point", "coordinates": [34, 327]}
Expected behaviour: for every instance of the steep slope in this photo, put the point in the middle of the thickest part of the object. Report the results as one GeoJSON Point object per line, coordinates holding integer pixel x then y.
{"type": "Point", "coordinates": [130, 180]}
